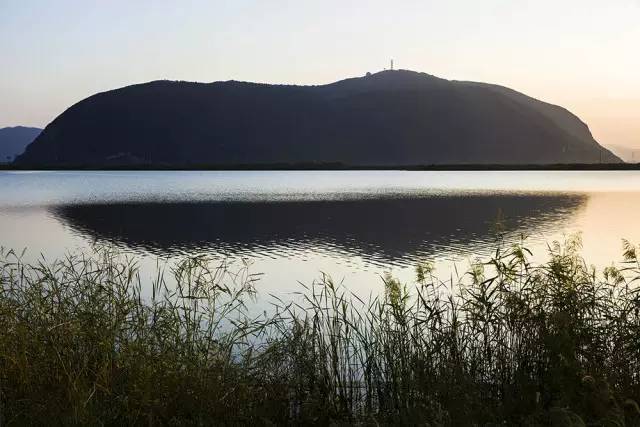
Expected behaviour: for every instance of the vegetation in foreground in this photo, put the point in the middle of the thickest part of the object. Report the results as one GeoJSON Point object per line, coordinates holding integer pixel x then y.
{"type": "Point", "coordinates": [509, 343]}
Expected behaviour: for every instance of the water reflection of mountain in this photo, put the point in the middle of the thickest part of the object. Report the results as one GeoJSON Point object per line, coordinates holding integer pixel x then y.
{"type": "Point", "coordinates": [379, 230]}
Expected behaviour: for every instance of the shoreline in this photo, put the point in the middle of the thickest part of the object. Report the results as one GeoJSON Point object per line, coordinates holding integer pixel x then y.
{"type": "Point", "coordinates": [331, 167]}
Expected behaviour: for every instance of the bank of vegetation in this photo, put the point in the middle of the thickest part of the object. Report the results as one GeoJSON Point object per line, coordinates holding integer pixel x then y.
{"type": "Point", "coordinates": [84, 340]}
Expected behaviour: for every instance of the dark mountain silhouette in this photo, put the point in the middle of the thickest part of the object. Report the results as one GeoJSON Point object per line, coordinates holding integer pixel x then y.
{"type": "Point", "coordinates": [391, 118]}
{"type": "Point", "coordinates": [14, 140]}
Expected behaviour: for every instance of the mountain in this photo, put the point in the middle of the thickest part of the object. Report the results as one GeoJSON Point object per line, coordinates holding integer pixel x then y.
{"type": "Point", "coordinates": [14, 140]}
{"type": "Point", "coordinates": [391, 118]}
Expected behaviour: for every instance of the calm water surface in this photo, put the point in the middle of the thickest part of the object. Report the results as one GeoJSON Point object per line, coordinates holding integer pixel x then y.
{"type": "Point", "coordinates": [294, 225]}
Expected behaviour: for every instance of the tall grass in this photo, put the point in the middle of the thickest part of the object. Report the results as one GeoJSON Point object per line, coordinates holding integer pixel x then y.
{"type": "Point", "coordinates": [509, 342]}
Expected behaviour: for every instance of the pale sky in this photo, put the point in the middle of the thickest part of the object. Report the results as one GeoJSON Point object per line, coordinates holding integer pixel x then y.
{"type": "Point", "coordinates": [581, 54]}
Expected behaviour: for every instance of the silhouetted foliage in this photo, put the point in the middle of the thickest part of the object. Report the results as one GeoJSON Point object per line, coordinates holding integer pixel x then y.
{"type": "Point", "coordinates": [508, 343]}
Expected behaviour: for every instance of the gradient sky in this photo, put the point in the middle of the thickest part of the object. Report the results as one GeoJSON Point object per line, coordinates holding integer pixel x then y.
{"type": "Point", "coordinates": [581, 54]}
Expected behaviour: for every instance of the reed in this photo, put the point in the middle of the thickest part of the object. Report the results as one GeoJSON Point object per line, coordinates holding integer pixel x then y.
{"type": "Point", "coordinates": [84, 340]}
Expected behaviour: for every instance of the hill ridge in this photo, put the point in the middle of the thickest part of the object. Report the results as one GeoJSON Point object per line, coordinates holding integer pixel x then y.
{"type": "Point", "coordinates": [393, 118]}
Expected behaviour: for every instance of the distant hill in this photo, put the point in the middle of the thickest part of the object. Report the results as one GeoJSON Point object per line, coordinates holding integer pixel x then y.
{"type": "Point", "coordinates": [391, 118]}
{"type": "Point", "coordinates": [14, 140]}
{"type": "Point", "coordinates": [628, 154]}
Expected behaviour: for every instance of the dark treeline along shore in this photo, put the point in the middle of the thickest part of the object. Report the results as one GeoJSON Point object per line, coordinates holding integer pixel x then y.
{"type": "Point", "coordinates": [326, 166]}
{"type": "Point", "coordinates": [508, 343]}
{"type": "Point", "coordinates": [389, 119]}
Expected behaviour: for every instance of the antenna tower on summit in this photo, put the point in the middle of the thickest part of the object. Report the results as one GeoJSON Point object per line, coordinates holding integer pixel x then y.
{"type": "Point", "coordinates": [392, 64]}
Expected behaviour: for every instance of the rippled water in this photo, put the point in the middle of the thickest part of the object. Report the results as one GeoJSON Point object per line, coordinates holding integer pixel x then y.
{"type": "Point", "coordinates": [293, 225]}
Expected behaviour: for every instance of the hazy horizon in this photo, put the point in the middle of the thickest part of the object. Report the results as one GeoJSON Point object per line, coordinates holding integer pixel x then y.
{"type": "Point", "coordinates": [578, 54]}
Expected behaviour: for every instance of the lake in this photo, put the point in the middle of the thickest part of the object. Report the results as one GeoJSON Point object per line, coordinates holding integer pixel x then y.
{"type": "Point", "coordinates": [292, 226]}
